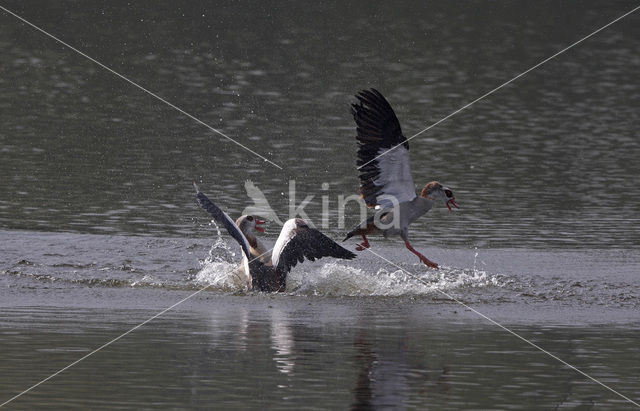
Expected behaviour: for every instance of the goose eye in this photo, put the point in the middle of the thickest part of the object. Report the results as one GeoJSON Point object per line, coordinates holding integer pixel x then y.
{"type": "Point", "coordinates": [448, 193]}
{"type": "Point", "coordinates": [250, 218]}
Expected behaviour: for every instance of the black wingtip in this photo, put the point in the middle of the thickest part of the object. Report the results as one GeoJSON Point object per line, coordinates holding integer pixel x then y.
{"type": "Point", "coordinates": [351, 234]}
{"type": "Point", "coordinates": [366, 91]}
{"type": "Point", "coordinates": [341, 252]}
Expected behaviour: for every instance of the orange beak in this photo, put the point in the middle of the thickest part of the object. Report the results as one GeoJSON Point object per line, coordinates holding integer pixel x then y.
{"type": "Point", "coordinates": [259, 222]}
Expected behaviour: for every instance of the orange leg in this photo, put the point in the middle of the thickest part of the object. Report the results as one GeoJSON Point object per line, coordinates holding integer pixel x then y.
{"type": "Point", "coordinates": [365, 244]}
{"type": "Point", "coordinates": [422, 258]}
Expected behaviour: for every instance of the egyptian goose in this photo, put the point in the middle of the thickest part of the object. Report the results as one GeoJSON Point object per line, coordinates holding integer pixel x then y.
{"type": "Point", "coordinates": [385, 174]}
{"type": "Point", "coordinates": [296, 242]}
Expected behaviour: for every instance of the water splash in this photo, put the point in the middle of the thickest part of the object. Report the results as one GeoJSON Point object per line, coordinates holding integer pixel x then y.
{"type": "Point", "coordinates": [339, 279]}
{"type": "Point", "coordinates": [222, 276]}
{"type": "Point", "coordinates": [221, 271]}
{"type": "Point", "coordinates": [475, 260]}
{"type": "Point", "coordinates": [220, 251]}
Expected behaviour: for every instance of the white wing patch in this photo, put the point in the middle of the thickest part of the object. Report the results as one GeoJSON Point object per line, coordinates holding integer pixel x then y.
{"type": "Point", "coordinates": [285, 236]}
{"type": "Point", "coordinates": [395, 177]}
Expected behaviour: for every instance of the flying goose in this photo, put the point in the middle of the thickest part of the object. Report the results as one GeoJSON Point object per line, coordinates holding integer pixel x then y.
{"type": "Point", "coordinates": [385, 174]}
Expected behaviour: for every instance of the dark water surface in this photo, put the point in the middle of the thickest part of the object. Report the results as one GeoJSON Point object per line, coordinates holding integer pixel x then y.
{"type": "Point", "coordinates": [550, 160]}
{"type": "Point", "coordinates": [231, 352]}
{"type": "Point", "coordinates": [99, 229]}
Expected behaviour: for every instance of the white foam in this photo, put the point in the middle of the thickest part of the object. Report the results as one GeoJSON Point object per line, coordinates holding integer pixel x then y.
{"type": "Point", "coordinates": [222, 270]}
{"type": "Point", "coordinates": [339, 279]}
{"type": "Point", "coordinates": [222, 275]}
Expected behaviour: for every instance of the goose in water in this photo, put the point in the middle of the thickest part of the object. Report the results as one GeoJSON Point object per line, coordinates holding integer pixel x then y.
{"type": "Point", "coordinates": [296, 242]}
{"type": "Point", "coordinates": [385, 179]}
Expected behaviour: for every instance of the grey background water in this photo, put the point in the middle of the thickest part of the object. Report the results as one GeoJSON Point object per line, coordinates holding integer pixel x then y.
{"type": "Point", "coordinates": [97, 208]}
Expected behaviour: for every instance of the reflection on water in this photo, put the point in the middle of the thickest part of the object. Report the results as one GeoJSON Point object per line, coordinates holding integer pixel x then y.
{"type": "Point", "coordinates": [291, 354]}
{"type": "Point", "coordinates": [282, 341]}
{"type": "Point", "coordinates": [382, 382]}
{"type": "Point", "coordinates": [386, 377]}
